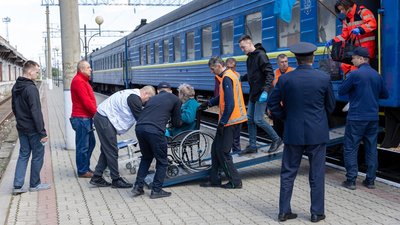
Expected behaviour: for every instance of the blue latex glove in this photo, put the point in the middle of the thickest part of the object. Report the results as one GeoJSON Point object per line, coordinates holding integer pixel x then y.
{"type": "Point", "coordinates": [167, 133]}
{"type": "Point", "coordinates": [263, 97]}
{"type": "Point", "coordinates": [328, 43]}
{"type": "Point", "coordinates": [356, 31]}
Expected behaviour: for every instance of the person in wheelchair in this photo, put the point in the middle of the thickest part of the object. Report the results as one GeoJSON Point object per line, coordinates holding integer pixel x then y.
{"type": "Point", "coordinates": [188, 111]}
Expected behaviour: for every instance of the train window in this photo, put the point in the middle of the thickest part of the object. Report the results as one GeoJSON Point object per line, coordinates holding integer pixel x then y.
{"type": "Point", "coordinates": [156, 53]}
{"type": "Point", "coordinates": [289, 33]}
{"type": "Point", "coordinates": [166, 50]}
{"type": "Point", "coordinates": [177, 48]}
{"type": "Point", "coordinates": [326, 21]}
{"type": "Point", "coordinates": [254, 27]}
{"type": "Point", "coordinates": [227, 37]}
{"type": "Point", "coordinates": [141, 55]}
{"type": "Point", "coordinates": [190, 45]}
{"type": "Point", "coordinates": [148, 54]}
{"type": "Point", "coordinates": [206, 41]}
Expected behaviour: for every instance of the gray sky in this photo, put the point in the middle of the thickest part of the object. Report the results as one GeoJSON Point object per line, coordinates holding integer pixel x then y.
{"type": "Point", "coordinates": [28, 22]}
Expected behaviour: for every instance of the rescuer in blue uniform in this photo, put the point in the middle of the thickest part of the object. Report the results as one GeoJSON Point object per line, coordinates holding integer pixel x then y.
{"type": "Point", "coordinates": [364, 87]}
{"type": "Point", "coordinates": [303, 99]}
{"type": "Point", "coordinates": [150, 130]}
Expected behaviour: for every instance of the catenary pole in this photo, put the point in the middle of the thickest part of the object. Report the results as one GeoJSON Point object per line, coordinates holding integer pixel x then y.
{"type": "Point", "coordinates": [69, 16]}
{"type": "Point", "coordinates": [49, 68]}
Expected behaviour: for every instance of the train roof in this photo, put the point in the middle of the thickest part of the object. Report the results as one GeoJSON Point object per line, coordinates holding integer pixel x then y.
{"type": "Point", "coordinates": [182, 11]}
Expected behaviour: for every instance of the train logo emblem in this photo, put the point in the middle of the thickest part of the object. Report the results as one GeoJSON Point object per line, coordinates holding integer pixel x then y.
{"type": "Point", "coordinates": [307, 6]}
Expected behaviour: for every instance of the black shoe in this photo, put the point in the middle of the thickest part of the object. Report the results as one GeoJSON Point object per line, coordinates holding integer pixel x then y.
{"type": "Point", "coordinates": [137, 191]}
{"type": "Point", "coordinates": [369, 185]}
{"type": "Point", "coordinates": [209, 184]}
{"type": "Point", "coordinates": [275, 145]}
{"type": "Point", "coordinates": [248, 150]}
{"type": "Point", "coordinates": [99, 182]}
{"type": "Point", "coordinates": [230, 185]}
{"type": "Point", "coordinates": [160, 194]}
{"type": "Point", "coordinates": [237, 151]}
{"type": "Point", "coordinates": [121, 183]}
{"type": "Point", "coordinates": [349, 184]}
{"type": "Point", "coordinates": [286, 216]}
{"type": "Point", "coordinates": [316, 218]}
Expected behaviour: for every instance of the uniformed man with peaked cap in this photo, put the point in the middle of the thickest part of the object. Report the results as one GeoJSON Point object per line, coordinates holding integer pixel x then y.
{"type": "Point", "coordinates": [303, 98]}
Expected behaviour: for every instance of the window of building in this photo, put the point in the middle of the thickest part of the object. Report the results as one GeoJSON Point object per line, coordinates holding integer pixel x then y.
{"type": "Point", "coordinates": [254, 27]}
{"type": "Point", "coordinates": [166, 50]}
{"type": "Point", "coordinates": [156, 53]}
{"type": "Point", "coordinates": [227, 37]}
{"type": "Point", "coordinates": [326, 21]}
{"type": "Point", "coordinates": [190, 45]}
{"type": "Point", "coordinates": [148, 54]}
{"type": "Point", "coordinates": [177, 48]}
{"type": "Point", "coordinates": [289, 33]}
{"type": "Point", "coordinates": [206, 41]}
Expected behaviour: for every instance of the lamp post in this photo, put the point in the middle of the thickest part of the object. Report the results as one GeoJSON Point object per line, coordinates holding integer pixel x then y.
{"type": "Point", "coordinates": [99, 20]}
{"type": "Point", "coordinates": [56, 49]}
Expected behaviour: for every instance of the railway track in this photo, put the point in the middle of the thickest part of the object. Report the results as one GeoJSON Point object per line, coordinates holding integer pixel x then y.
{"type": "Point", "coordinates": [5, 109]}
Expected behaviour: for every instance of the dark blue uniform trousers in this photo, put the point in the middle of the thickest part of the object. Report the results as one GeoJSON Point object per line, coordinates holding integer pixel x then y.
{"type": "Point", "coordinates": [152, 146]}
{"type": "Point", "coordinates": [291, 159]}
{"type": "Point", "coordinates": [354, 133]}
{"type": "Point", "coordinates": [221, 157]}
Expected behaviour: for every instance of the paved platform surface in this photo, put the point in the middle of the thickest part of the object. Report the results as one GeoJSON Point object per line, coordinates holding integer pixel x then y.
{"type": "Point", "coordinates": [72, 200]}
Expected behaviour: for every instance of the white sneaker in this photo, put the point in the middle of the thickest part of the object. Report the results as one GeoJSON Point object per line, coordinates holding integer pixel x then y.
{"type": "Point", "coordinates": [17, 191]}
{"type": "Point", "coordinates": [40, 187]}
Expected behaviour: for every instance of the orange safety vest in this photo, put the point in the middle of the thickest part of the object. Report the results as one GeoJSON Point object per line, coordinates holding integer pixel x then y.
{"type": "Point", "coordinates": [239, 114]}
{"type": "Point", "coordinates": [365, 19]}
{"type": "Point", "coordinates": [278, 74]}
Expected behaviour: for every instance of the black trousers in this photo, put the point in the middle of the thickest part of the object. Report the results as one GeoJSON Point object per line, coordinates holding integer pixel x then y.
{"type": "Point", "coordinates": [108, 148]}
{"type": "Point", "coordinates": [221, 157]}
{"type": "Point", "coordinates": [152, 146]}
{"type": "Point", "coordinates": [278, 127]}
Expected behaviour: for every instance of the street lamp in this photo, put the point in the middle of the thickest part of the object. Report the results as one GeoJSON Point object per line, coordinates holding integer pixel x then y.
{"type": "Point", "coordinates": [99, 20]}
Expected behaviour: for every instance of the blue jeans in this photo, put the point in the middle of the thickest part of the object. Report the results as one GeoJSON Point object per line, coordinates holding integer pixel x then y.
{"type": "Point", "coordinates": [84, 141]}
{"type": "Point", "coordinates": [255, 116]}
{"type": "Point", "coordinates": [354, 133]}
{"type": "Point", "coordinates": [29, 143]}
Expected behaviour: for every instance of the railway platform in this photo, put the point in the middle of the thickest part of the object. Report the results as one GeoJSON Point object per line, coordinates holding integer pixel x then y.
{"type": "Point", "coordinates": [72, 200]}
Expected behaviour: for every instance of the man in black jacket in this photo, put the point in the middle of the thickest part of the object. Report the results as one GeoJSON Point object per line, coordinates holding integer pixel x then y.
{"type": "Point", "coordinates": [150, 130]}
{"type": "Point", "coordinates": [30, 125]}
{"type": "Point", "coordinates": [260, 76]}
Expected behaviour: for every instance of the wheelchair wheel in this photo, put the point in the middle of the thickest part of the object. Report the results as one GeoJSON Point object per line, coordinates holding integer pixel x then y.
{"type": "Point", "coordinates": [172, 171]}
{"type": "Point", "coordinates": [195, 151]}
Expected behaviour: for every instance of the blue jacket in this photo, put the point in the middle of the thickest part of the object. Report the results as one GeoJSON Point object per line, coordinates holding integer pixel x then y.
{"type": "Point", "coordinates": [188, 117]}
{"type": "Point", "coordinates": [307, 98]}
{"type": "Point", "coordinates": [364, 87]}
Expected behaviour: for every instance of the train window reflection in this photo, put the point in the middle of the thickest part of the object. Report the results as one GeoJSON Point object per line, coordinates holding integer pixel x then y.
{"type": "Point", "coordinates": [206, 41]}
{"type": "Point", "coordinates": [141, 55]}
{"type": "Point", "coordinates": [177, 48]}
{"type": "Point", "coordinates": [253, 27]}
{"type": "Point", "coordinates": [289, 33]}
{"type": "Point", "coordinates": [148, 54]}
{"type": "Point", "coordinates": [166, 50]}
{"type": "Point", "coordinates": [156, 53]}
{"type": "Point", "coordinates": [227, 37]}
{"type": "Point", "coordinates": [326, 21]}
{"type": "Point", "coordinates": [190, 45]}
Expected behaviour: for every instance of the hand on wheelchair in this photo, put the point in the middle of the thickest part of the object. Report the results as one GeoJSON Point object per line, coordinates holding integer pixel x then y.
{"type": "Point", "coordinates": [203, 106]}
{"type": "Point", "coordinates": [220, 129]}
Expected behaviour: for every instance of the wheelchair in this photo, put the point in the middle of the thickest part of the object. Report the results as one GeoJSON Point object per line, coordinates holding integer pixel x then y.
{"type": "Point", "coordinates": [189, 151]}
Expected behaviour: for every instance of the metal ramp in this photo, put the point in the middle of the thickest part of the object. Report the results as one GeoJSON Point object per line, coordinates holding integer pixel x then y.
{"type": "Point", "coordinates": [336, 137]}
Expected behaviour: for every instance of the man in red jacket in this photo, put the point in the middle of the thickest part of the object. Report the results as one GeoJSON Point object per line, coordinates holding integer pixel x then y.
{"type": "Point", "coordinates": [83, 110]}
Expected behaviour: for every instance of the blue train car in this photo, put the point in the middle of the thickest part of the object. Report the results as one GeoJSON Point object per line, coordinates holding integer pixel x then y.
{"type": "Point", "coordinates": [176, 47]}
